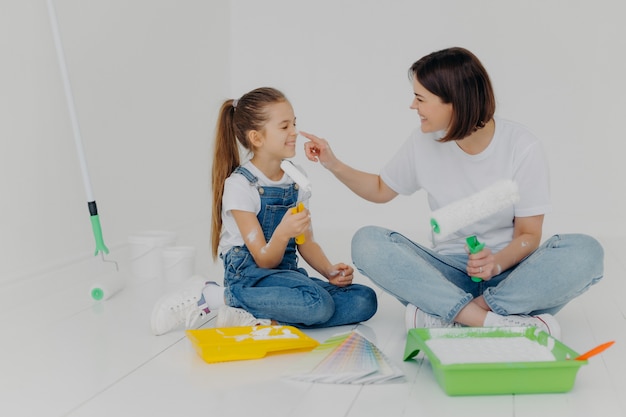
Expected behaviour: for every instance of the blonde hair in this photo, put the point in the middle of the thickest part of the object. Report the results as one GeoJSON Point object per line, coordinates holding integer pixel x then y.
{"type": "Point", "coordinates": [236, 119]}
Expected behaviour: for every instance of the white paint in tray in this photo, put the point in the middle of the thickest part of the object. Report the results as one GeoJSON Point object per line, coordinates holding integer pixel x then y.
{"type": "Point", "coordinates": [488, 350]}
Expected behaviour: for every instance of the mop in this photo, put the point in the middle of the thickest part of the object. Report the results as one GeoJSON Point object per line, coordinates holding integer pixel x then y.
{"type": "Point", "coordinates": [111, 285]}
{"type": "Point", "coordinates": [459, 214]}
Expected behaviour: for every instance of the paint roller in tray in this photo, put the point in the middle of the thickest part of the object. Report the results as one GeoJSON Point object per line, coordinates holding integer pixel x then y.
{"type": "Point", "coordinates": [304, 184]}
{"type": "Point", "coordinates": [462, 213]}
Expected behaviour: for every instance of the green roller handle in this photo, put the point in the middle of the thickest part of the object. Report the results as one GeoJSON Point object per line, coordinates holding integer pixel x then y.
{"type": "Point", "coordinates": [474, 247]}
{"type": "Point", "coordinates": [91, 202]}
{"type": "Point", "coordinates": [435, 226]}
{"type": "Point", "coordinates": [97, 233]}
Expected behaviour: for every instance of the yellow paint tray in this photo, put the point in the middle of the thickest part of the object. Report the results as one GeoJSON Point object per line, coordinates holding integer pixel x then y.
{"type": "Point", "coordinates": [241, 343]}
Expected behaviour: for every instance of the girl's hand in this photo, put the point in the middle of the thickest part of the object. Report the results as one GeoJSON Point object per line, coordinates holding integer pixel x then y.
{"type": "Point", "coordinates": [318, 150]}
{"type": "Point", "coordinates": [341, 275]}
{"type": "Point", "coordinates": [294, 224]}
{"type": "Point", "coordinates": [482, 265]}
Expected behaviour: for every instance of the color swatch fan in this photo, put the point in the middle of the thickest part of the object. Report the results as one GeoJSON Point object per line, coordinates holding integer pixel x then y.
{"type": "Point", "coordinates": [347, 358]}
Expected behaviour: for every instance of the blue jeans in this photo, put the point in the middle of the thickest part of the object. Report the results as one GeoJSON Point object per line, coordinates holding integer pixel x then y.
{"type": "Point", "coordinates": [289, 296]}
{"type": "Point", "coordinates": [561, 269]}
{"type": "Point", "coordinates": [286, 293]}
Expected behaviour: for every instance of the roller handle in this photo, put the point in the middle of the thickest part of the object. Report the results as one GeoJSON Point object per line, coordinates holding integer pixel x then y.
{"type": "Point", "coordinates": [474, 247]}
{"type": "Point", "coordinates": [298, 209]}
{"type": "Point", "coordinates": [96, 228]}
{"type": "Point", "coordinates": [435, 226]}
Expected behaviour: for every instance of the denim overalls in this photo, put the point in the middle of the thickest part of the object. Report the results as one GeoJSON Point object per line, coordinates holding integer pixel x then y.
{"type": "Point", "coordinates": [286, 293]}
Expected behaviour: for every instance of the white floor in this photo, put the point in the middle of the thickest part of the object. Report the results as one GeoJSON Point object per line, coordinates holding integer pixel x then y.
{"type": "Point", "coordinates": [63, 355]}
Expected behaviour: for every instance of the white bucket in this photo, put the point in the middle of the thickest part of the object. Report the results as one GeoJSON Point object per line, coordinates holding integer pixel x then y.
{"type": "Point", "coordinates": [145, 253]}
{"type": "Point", "coordinates": [179, 263]}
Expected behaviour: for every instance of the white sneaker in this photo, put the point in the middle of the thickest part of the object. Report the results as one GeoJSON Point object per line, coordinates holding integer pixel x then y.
{"type": "Point", "coordinates": [179, 307]}
{"type": "Point", "coordinates": [545, 322]}
{"type": "Point", "coordinates": [237, 317]}
{"type": "Point", "coordinates": [414, 317]}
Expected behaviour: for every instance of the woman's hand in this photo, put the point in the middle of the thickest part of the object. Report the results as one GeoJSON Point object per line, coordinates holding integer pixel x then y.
{"type": "Point", "coordinates": [341, 275]}
{"type": "Point", "coordinates": [366, 185]}
{"type": "Point", "coordinates": [526, 238]}
{"type": "Point", "coordinates": [318, 150]}
{"type": "Point", "coordinates": [482, 265]}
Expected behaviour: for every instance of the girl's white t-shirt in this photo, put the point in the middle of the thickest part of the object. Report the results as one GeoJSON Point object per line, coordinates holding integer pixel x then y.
{"type": "Point", "coordinates": [239, 194]}
{"type": "Point", "coordinates": [448, 174]}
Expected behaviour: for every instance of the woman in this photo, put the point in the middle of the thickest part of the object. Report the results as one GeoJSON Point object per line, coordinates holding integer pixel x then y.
{"type": "Point", "coordinates": [461, 149]}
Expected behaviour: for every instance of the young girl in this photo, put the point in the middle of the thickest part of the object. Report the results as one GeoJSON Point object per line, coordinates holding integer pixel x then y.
{"type": "Point", "coordinates": [253, 231]}
{"type": "Point", "coordinates": [461, 149]}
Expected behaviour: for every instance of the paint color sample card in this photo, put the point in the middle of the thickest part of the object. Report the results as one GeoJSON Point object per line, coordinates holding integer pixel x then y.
{"type": "Point", "coordinates": [347, 358]}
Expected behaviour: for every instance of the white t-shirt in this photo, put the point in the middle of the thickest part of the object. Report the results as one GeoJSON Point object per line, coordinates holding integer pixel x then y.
{"type": "Point", "coordinates": [448, 174]}
{"type": "Point", "coordinates": [239, 194]}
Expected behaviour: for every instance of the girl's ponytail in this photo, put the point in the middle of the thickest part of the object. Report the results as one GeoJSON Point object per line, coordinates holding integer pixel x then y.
{"type": "Point", "coordinates": [225, 160]}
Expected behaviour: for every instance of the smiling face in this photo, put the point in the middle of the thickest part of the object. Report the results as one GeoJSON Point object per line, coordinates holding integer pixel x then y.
{"type": "Point", "coordinates": [278, 136]}
{"type": "Point", "coordinates": [434, 114]}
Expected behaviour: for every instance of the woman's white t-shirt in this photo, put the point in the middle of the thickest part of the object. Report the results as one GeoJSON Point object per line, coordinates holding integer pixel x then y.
{"type": "Point", "coordinates": [448, 174]}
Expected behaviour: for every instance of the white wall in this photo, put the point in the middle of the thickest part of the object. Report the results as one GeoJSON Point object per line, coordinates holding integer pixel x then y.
{"type": "Point", "coordinates": [557, 66]}
{"type": "Point", "coordinates": [147, 77]}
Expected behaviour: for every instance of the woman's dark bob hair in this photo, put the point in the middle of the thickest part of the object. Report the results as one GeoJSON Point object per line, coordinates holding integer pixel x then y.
{"type": "Point", "coordinates": [457, 77]}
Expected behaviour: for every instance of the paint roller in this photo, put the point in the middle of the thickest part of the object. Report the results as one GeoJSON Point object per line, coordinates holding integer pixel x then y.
{"type": "Point", "coordinates": [107, 288]}
{"type": "Point", "coordinates": [462, 213]}
{"type": "Point", "coordinates": [303, 182]}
